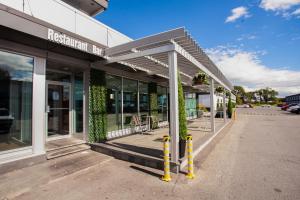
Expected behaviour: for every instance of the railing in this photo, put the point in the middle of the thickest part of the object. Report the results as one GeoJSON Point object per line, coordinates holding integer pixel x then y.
{"type": "Point", "coordinates": [65, 16]}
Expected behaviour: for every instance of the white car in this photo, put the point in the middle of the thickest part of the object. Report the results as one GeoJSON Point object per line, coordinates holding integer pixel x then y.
{"type": "Point", "coordinates": [290, 109]}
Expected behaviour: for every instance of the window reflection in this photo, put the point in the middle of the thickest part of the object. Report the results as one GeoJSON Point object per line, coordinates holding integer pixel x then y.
{"type": "Point", "coordinates": [162, 102]}
{"type": "Point", "coordinates": [113, 99]}
{"type": "Point", "coordinates": [129, 100]}
{"type": "Point", "coordinates": [144, 99]}
{"type": "Point", "coordinates": [15, 101]}
{"type": "Point", "coordinates": [78, 102]}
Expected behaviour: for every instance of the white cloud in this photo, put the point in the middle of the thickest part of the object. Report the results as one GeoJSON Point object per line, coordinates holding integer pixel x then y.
{"type": "Point", "coordinates": [246, 37]}
{"type": "Point", "coordinates": [281, 7]}
{"type": "Point", "coordinates": [237, 13]}
{"type": "Point", "coordinates": [245, 68]}
{"type": "Point", "coordinates": [278, 5]}
{"type": "Point", "coordinates": [296, 12]}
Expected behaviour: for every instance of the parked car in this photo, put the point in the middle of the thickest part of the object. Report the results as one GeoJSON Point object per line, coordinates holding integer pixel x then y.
{"type": "Point", "coordinates": [266, 106]}
{"type": "Point", "coordinates": [291, 108]}
{"type": "Point", "coordinates": [6, 121]}
{"type": "Point", "coordinates": [287, 106]}
{"type": "Point", "coordinates": [297, 111]}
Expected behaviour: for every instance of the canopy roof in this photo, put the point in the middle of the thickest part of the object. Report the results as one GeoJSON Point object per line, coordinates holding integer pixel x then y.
{"type": "Point", "coordinates": [150, 54]}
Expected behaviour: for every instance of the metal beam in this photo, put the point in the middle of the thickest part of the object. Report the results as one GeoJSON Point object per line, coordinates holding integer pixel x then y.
{"type": "Point", "coordinates": [174, 118]}
{"type": "Point", "coordinates": [189, 57]}
{"type": "Point", "coordinates": [165, 36]}
{"type": "Point", "coordinates": [143, 53]}
{"type": "Point", "coordinates": [212, 105]}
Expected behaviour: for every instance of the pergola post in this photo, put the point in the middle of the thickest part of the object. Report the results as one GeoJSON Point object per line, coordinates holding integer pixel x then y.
{"type": "Point", "coordinates": [174, 119]}
{"type": "Point", "coordinates": [86, 83]}
{"type": "Point", "coordinates": [212, 105]}
{"type": "Point", "coordinates": [224, 107]}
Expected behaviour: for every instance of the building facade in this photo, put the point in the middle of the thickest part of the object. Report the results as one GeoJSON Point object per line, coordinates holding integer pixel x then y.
{"type": "Point", "coordinates": [293, 99]}
{"type": "Point", "coordinates": [54, 64]}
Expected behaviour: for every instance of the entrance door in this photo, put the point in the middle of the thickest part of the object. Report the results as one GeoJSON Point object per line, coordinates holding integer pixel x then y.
{"type": "Point", "coordinates": [58, 109]}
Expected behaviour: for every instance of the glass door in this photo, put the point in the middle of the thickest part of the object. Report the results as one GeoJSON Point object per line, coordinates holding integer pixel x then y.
{"type": "Point", "coordinates": [58, 109]}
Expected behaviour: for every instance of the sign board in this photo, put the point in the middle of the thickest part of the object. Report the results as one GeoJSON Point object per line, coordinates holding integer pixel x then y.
{"type": "Point", "coordinates": [69, 41]}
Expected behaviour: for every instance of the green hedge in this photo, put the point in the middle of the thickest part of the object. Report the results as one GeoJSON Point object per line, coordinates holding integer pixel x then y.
{"type": "Point", "coordinates": [182, 114]}
{"type": "Point", "coordinates": [97, 106]}
{"type": "Point", "coordinates": [152, 89]}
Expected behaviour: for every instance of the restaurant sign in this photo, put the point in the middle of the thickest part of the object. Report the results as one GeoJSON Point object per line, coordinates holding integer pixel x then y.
{"type": "Point", "coordinates": [66, 40]}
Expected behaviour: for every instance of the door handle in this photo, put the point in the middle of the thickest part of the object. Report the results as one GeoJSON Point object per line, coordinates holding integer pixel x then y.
{"type": "Point", "coordinates": [48, 109]}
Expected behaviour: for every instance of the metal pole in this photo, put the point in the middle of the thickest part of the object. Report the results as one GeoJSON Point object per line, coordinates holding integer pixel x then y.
{"type": "Point", "coordinates": [167, 176]}
{"type": "Point", "coordinates": [190, 174]}
{"type": "Point", "coordinates": [212, 105]}
{"type": "Point", "coordinates": [174, 120]}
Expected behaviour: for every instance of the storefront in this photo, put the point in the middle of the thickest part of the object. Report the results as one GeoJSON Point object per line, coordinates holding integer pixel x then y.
{"type": "Point", "coordinates": [59, 81]}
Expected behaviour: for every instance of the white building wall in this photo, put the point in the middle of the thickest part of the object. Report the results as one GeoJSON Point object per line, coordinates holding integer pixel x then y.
{"type": "Point", "coordinates": [65, 16]}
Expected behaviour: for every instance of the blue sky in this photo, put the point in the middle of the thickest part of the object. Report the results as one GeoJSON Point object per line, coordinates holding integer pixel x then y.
{"type": "Point", "coordinates": [264, 33]}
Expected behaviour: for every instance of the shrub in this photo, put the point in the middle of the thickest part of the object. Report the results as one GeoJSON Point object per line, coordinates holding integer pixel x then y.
{"type": "Point", "coordinates": [181, 109]}
{"type": "Point", "coordinates": [230, 107]}
{"type": "Point", "coordinates": [201, 107]}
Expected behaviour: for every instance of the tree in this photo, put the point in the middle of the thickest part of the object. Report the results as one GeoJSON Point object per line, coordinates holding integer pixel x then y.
{"type": "Point", "coordinates": [239, 92]}
{"type": "Point", "coordinates": [268, 94]}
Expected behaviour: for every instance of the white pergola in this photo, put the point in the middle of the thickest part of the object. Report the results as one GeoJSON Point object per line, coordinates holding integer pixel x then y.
{"type": "Point", "coordinates": [165, 54]}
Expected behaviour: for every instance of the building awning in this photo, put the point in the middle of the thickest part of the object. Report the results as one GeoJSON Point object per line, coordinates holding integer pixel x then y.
{"type": "Point", "coordinates": [150, 54]}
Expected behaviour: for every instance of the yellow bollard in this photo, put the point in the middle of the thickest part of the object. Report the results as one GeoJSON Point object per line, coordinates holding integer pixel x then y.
{"type": "Point", "coordinates": [190, 174]}
{"type": "Point", "coordinates": [167, 176]}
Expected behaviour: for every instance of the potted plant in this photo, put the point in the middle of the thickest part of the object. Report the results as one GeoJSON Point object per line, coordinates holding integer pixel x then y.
{"type": "Point", "coordinates": [219, 89]}
{"type": "Point", "coordinates": [200, 79]}
{"type": "Point", "coordinates": [200, 110]}
{"type": "Point", "coordinates": [182, 120]}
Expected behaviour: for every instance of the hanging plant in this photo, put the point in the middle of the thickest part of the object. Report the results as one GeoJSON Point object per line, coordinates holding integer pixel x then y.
{"type": "Point", "coordinates": [200, 79]}
{"type": "Point", "coordinates": [219, 89]}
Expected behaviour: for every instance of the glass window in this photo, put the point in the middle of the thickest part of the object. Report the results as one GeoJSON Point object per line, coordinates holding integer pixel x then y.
{"type": "Point", "coordinates": [78, 102]}
{"type": "Point", "coordinates": [58, 76]}
{"type": "Point", "coordinates": [144, 99]}
{"type": "Point", "coordinates": [162, 102]}
{"type": "Point", "coordinates": [190, 104]}
{"type": "Point", "coordinates": [113, 99]}
{"type": "Point", "coordinates": [15, 101]}
{"type": "Point", "coordinates": [130, 88]}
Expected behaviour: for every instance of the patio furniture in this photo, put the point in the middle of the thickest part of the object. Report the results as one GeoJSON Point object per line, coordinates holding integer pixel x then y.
{"type": "Point", "coordinates": [137, 122]}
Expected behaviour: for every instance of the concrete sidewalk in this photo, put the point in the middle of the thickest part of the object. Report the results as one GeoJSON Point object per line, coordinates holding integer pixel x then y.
{"type": "Point", "coordinates": [259, 158]}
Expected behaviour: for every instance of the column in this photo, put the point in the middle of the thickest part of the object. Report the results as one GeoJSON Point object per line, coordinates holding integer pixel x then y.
{"type": "Point", "coordinates": [39, 130]}
{"type": "Point", "coordinates": [212, 105]}
{"type": "Point", "coordinates": [174, 119]}
{"type": "Point", "coordinates": [224, 106]}
{"type": "Point", "coordinates": [86, 87]}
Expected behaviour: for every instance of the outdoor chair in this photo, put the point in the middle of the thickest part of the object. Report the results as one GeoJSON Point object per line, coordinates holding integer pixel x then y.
{"type": "Point", "coordinates": [137, 122]}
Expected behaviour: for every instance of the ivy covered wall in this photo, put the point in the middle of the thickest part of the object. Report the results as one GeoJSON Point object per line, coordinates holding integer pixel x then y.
{"type": "Point", "coordinates": [97, 106]}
